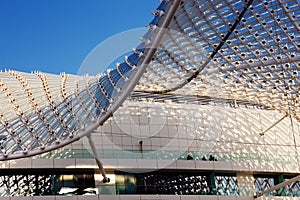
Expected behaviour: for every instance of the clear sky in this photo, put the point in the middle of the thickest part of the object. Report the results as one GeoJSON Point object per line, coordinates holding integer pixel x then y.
{"type": "Point", "coordinates": [56, 35]}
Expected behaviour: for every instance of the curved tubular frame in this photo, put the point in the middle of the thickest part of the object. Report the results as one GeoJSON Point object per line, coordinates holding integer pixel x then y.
{"type": "Point", "coordinates": [278, 186]}
{"type": "Point", "coordinates": [196, 73]}
{"type": "Point", "coordinates": [120, 98]}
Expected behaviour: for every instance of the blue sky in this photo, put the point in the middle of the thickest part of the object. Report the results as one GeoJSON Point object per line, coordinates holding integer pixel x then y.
{"type": "Point", "coordinates": [56, 35]}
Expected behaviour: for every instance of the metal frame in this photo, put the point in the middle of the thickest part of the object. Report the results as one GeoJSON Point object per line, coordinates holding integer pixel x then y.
{"type": "Point", "coordinates": [278, 186]}
{"type": "Point", "coordinates": [120, 98]}
{"type": "Point", "coordinates": [255, 62]}
{"type": "Point", "coordinates": [258, 62]}
{"type": "Point", "coordinates": [97, 158]}
{"type": "Point", "coordinates": [277, 122]}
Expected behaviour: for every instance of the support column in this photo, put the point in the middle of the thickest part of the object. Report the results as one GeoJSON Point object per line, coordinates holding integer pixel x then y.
{"type": "Point", "coordinates": [97, 158]}
{"type": "Point", "coordinates": [212, 183]}
{"type": "Point", "coordinates": [281, 191]}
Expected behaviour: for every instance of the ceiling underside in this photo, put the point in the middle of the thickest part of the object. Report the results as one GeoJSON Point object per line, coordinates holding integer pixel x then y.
{"type": "Point", "coordinates": [239, 50]}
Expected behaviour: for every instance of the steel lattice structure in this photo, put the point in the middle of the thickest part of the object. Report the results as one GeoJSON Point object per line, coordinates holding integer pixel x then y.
{"type": "Point", "coordinates": [247, 49]}
{"type": "Point", "coordinates": [250, 47]}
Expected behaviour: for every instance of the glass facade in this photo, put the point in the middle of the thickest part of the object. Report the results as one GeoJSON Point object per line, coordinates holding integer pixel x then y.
{"type": "Point", "coordinates": [45, 182]}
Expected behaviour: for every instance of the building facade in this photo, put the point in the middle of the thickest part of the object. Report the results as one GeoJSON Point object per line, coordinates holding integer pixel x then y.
{"type": "Point", "coordinates": [206, 107]}
{"type": "Point", "coordinates": [169, 148]}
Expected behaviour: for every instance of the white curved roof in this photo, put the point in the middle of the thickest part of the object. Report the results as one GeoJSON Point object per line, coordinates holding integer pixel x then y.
{"type": "Point", "coordinates": [237, 50]}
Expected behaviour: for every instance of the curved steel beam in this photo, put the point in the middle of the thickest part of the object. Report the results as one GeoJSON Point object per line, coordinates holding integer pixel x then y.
{"type": "Point", "coordinates": [196, 73]}
{"type": "Point", "coordinates": [120, 97]}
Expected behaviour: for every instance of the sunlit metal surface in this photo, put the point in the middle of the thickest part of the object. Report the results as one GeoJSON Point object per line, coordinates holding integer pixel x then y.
{"type": "Point", "coordinates": [257, 61]}
{"type": "Point", "coordinates": [41, 112]}
{"type": "Point", "coordinates": [244, 51]}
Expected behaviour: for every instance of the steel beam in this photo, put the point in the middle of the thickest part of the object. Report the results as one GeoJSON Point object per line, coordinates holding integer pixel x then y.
{"type": "Point", "coordinates": [278, 186]}
{"type": "Point", "coordinates": [119, 99]}
{"type": "Point", "coordinates": [277, 122]}
{"type": "Point", "coordinates": [97, 158]}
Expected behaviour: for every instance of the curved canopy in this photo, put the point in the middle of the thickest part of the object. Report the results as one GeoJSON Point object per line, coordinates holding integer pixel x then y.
{"type": "Point", "coordinates": [241, 50]}
{"type": "Point", "coordinates": [248, 51]}
{"type": "Point", "coordinates": [42, 112]}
